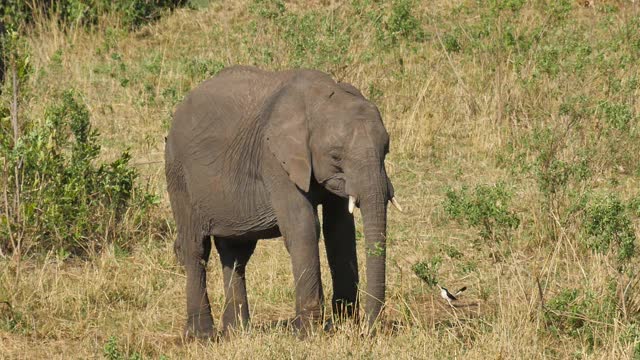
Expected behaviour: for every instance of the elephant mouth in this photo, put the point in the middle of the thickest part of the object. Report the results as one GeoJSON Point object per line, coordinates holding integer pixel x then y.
{"type": "Point", "coordinates": [336, 184]}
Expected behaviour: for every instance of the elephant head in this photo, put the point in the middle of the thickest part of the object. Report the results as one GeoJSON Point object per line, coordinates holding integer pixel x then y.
{"type": "Point", "coordinates": [328, 131]}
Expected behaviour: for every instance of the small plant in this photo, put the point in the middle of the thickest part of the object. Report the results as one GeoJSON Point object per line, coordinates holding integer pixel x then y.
{"type": "Point", "coordinates": [486, 207]}
{"type": "Point", "coordinates": [375, 93]}
{"type": "Point", "coordinates": [632, 337]}
{"type": "Point", "coordinates": [452, 252]}
{"type": "Point", "coordinates": [617, 116]}
{"type": "Point", "coordinates": [268, 9]}
{"type": "Point", "coordinates": [401, 24]}
{"type": "Point", "coordinates": [427, 271]}
{"type": "Point", "coordinates": [579, 313]}
{"type": "Point", "coordinates": [468, 267]}
{"type": "Point", "coordinates": [565, 312]}
{"type": "Point", "coordinates": [11, 320]}
{"type": "Point", "coordinates": [112, 351]}
{"type": "Point", "coordinates": [200, 69]}
{"type": "Point", "coordinates": [634, 205]}
{"type": "Point", "coordinates": [607, 224]}
{"type": "Point", "coordinates": [450, 42]}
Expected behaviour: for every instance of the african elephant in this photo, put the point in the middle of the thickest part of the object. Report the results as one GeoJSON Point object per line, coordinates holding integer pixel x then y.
{"type": "Point", "coordinates": [250, 155]}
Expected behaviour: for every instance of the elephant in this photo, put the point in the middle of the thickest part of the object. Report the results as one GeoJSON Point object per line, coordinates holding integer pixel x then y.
{"type": "Point", "coordinates": [251, 154]}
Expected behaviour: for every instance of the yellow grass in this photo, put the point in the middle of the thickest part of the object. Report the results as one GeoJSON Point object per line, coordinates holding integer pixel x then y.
{"type": "Point", "coordinates": [449, 115]}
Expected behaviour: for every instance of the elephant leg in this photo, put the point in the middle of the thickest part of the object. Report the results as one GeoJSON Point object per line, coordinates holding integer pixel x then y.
{"type": "Point", "coordinates": [302, 244]}
{"type": "Point", "coordinates": [298, 223]}
{"type": "Point", "coordinates": [234, 255]}
{"type": "Point", "coordinates": [340, 242]}
{"type": "Point", "coordinates": [196, 254]}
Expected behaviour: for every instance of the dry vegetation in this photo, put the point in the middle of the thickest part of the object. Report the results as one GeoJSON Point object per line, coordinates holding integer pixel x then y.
{"type": "Point", "coordinates": [515, 142]}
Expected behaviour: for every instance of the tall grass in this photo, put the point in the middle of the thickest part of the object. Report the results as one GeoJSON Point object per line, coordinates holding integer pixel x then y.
{"type": "Point", "coordinates": [514, 142]}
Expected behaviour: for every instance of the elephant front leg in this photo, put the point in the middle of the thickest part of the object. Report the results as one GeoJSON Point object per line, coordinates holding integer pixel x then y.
{"type": "Point", "coordinates": [297, 220]}
{"type": "Point", "coordinates": [340, 241]}
{"type": "Point", "coordinates": [305, 260]}
{"type": "Point", "coordinates": [199, 319]}
{"type": "Point", "coordinates": [234, 255]}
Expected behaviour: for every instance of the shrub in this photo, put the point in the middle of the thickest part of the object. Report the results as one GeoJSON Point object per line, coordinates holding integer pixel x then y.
{"type": "Point", "coordinates": [607, 224]}
{"type": "Point", "coordinates": [427, 271]}
{"type": "Point", "coordinates": [66, 202]}
{"type": "Point", "coordinates": [486, 207]}
{"type": "Point", "coordinates": [580, 313]}
{"type": "Point", "coordinates": [401, 23]}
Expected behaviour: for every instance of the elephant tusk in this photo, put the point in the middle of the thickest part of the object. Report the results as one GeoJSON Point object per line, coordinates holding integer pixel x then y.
{"type": "Point", "coordinates": [352, 204]}
{"type": "Point", "coordinates": [396, 204]}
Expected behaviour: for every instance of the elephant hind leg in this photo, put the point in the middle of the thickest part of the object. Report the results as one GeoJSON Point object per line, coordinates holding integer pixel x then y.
{"type": "Point", "coordinates": [180, 207]}
{"type": "Point", "coordinates": [196, 254]}
{"type": "Point", "coordinates": [192, 248]}
{"type": "Point", "coordinates": [234, 256]}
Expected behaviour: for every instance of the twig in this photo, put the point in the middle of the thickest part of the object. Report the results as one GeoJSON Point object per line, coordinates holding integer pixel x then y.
{"type": "Point", "coordinates": [540, 293]}
{"type": "Point", "coordinates": [16, 130]}
{"type": "Point", "coordinates": [16, 168]}
{"type": "Point", "coordinates": [147, 162]}
{"type": "Point", "coordinates": [6, 204]}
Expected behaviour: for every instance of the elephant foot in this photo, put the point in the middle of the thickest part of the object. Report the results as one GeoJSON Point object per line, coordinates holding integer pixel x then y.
{"type": "Point", "coordinates": [200, 327]}
{"type": "Point", "coordinates": [308, 325]}
{"type": "Point", "coordinates": [329, 326]}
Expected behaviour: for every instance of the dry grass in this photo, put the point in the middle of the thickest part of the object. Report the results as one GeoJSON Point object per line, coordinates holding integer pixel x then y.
{"type": "Point", "coordinates": [451, 115]}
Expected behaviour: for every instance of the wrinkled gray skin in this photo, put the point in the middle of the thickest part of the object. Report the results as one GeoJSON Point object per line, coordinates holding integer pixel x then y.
{"type": "Point", "coordinates": [250, 155]}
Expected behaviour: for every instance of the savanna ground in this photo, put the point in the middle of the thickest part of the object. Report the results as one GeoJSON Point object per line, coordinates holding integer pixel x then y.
{"type": "Point", "coordinates": [515, 140]}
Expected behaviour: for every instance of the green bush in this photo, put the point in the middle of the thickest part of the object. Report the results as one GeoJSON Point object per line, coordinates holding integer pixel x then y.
{"type": "Point", "coordinates": [66, 202]}
{"type": "Point", "coordinates": [486, 207]}
{"type": "Point", "coordinates": [580, 313]}
{"type": "Point", "coordinates": [607, 225]}
{"type": "Point", "coordinates": [427, 271]}
{"type": "Point", "coordinates": [401, 23]}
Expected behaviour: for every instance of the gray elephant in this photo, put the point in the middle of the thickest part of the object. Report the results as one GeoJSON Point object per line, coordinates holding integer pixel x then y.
{"type": "Point", "coordinates": [250, 155]}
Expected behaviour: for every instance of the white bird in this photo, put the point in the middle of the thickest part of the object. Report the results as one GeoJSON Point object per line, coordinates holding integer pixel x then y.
{"type": "Point", "coordinates": [449, 296]}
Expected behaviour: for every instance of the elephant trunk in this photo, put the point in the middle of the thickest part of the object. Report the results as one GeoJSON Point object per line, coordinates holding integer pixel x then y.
{"type": "Point", "coordinates": [373, 206]}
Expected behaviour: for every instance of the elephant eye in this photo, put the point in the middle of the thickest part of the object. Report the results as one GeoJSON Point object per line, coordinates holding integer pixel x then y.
{"type": "Point", "coordinates": [336, 157]}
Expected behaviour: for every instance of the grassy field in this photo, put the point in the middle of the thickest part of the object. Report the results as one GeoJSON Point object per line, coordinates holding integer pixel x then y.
{"type": "Point", "coordinates": [515, 134]}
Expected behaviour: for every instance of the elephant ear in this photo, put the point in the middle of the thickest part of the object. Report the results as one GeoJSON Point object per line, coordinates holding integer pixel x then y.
{"type": "Point", "coordinates": [350, 89]}
{"type": "Point", "coordinates": [287, 136]}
